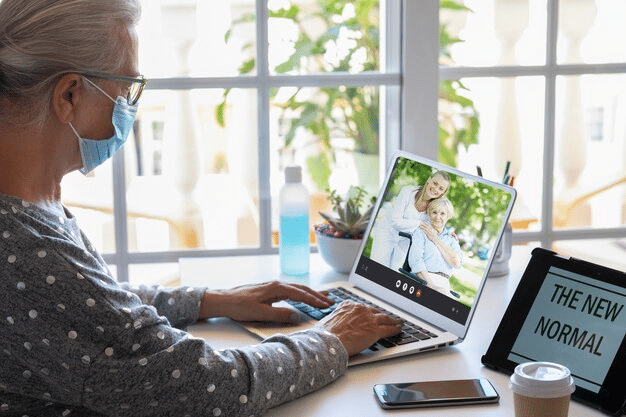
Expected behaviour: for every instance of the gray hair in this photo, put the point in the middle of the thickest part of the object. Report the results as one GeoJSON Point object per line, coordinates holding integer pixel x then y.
{"type": "Point", "coordinates": [41, 40]}
{"type": "Point", "coordinates": [441, 203]}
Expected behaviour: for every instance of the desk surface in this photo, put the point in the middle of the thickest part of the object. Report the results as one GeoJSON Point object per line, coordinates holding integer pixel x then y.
{"type": "Point", "coordinates": [354, 390]}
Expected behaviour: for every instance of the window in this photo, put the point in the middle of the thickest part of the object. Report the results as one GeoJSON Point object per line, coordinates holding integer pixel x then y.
{"type": "Point", "coordinates": [238, 89]}
{"type": "Point", "coordinates": [546, 79]}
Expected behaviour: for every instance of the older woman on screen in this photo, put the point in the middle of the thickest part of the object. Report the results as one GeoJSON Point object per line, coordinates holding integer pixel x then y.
{"type": "Point", "coordinates": [435, 252]}
{"type": "Point", "coordinates": [76, 342]}
{"type": "Point", "coordinates": [404, 213]}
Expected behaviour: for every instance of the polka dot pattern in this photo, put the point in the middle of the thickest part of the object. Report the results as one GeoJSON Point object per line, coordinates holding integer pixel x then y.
{"type": "Point", "coordinates": [71, 319]}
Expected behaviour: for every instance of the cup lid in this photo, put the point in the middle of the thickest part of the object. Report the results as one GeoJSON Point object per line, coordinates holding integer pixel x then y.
{"type": "Point", "coordinates": [542, 380]}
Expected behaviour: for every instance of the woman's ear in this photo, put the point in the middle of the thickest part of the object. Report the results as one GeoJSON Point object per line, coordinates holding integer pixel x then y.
{"type": "Point", "coordinates": [66, 96]}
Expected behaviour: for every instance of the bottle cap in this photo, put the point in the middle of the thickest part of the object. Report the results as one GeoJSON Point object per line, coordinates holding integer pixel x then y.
{"type": "Point", "coordinates": [293, 173]}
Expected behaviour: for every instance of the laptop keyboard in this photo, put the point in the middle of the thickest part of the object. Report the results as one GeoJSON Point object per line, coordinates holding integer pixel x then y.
{"type": "Point", "coordinates": [410, 331]}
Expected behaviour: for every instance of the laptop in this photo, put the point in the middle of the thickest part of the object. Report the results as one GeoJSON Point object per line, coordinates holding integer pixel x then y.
{"type": "Point", "coordinates": [435, 315]}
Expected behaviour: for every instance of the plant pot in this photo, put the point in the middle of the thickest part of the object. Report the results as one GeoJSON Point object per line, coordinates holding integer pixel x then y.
{"type": "Point", "coordinates": [338, 252]}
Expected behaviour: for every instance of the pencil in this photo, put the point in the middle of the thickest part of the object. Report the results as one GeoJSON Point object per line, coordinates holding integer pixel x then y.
{"type": "Point", "coordinates": [506, 171]}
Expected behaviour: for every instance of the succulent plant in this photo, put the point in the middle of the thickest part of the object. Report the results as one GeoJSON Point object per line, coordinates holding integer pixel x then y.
{"type": "Point", "coordinates": [349, 222]}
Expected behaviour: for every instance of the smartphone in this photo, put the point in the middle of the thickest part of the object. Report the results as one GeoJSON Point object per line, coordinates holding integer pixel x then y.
{"type": "Point", "coordinates": [436, 393]}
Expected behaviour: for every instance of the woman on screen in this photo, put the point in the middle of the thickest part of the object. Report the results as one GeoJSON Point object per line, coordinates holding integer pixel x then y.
{"type": "Point", "coordinates": [404, 213]}
{"type": "Point", "coordinates": [435, 253]}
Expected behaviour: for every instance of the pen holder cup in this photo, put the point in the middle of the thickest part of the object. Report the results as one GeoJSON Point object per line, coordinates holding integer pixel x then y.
{"type": "Point", "coordinates": [500, 264]}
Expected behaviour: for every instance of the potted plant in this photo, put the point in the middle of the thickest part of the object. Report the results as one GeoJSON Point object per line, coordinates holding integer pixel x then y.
{"type": "Point", "coordinates": [341, 235]}
{"type": "Point", "coordinates": [350, 112]}
{"type": "Point", "coordinates": [331, 112]}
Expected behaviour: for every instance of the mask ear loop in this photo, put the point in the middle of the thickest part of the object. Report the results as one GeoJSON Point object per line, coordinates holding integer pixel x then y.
{"type": "Point", "coordinates": [75, 132]}
{"type": "Point", "coordinates": [101, 90]}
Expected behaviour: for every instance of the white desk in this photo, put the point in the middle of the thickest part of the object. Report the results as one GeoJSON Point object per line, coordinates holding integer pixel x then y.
{"type": "Point", "coordinates": [352, 394]}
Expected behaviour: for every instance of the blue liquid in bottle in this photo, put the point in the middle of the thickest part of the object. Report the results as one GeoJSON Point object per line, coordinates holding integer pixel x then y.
{"type": "Point", "coordinates": [294, 247]}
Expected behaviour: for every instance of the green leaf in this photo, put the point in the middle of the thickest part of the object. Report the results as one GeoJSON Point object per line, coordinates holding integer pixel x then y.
{"type": "Point", "coordinates": [246, 18]}
{"type": "Point", "coordinates": [362, 10]}
{"type": "Point", "coordinates": [219, 114]}
{"type": "Point", "coordinates": [247, 66]}
{"type": "Point", "coordinates": [319, 170]}
{"type": "Point", "coordinates": [453, 5]}
{"type": "Point", "coordinates": [290, 13]}
{"type": "Point", "coordinates": [309, 114]}
{"type": "Point", "coordinates": [303, 47]}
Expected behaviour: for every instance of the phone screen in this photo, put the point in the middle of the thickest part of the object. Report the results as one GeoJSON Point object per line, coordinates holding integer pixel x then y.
{"type": "Point", "coordinates": [436, 393]}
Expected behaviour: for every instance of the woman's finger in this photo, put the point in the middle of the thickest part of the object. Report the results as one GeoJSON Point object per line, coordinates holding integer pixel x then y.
{"type": "Point", "coordinates": [302, 293]}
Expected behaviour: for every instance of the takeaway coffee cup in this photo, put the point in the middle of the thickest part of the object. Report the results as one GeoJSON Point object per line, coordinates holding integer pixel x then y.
{"type": "Point", "coordinates": [541, 389]}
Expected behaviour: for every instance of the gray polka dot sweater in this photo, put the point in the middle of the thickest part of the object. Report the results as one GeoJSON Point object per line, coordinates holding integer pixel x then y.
{"type": "Point", "coordinates": [76, 343]}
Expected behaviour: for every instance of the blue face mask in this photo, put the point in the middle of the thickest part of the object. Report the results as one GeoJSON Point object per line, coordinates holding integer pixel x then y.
{"type": "Point", "coordinates": [94, 152]}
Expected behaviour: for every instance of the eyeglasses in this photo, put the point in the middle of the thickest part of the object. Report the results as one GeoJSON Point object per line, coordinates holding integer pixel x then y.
{"type": "Point", "coordinates": [137, 84]}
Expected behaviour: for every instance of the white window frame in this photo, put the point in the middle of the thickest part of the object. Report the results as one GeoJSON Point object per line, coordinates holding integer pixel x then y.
{"type": "Point", "coordinates": [420, 88]}
{"type": "Point", "coordinates": [415, 73]}
{"type": "Point", "coordinates": [262, 82]}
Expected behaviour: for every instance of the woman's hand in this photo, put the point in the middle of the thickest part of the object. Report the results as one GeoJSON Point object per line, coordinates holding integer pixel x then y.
{"type": "Point", "coordinates": [450, 255]}
{"type": "Point", "coordinates": [432, 234]}
{"type": "Point", "coordinates": [254, 302]}
{"type": "Point", "coordinates": [429, 231]}
{"type": "Point", "coordinates": [359, 326]}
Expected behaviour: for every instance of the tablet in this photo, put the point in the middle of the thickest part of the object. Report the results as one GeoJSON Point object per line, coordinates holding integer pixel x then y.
{"type": "Point", "coordinates": [571, 312]}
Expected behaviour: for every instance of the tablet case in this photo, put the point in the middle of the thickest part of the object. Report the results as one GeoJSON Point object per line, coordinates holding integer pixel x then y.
{"type": "Point", "coordinates": [611, 397]}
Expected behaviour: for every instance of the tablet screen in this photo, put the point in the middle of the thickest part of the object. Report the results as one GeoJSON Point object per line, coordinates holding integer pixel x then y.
{"type": "Point", "coordinates": [573, 321]}
{"type": "Point", "coordinates": [571, 312]}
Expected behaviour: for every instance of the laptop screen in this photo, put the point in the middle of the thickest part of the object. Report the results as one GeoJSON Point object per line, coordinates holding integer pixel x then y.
{"type": "Point", "coordinates": [434, 233]}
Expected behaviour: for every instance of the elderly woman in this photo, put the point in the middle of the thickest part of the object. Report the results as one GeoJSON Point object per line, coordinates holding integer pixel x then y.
{"type": "Point", "coordinates": [435, 253]}
{"type": "Point", "coordinates": [405, 213]}
{"type": "Point", "coordinates": [74, 341]}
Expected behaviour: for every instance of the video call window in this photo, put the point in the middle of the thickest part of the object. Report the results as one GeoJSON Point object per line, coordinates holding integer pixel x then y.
{"type": "Point", "coordinates": [471, 231]}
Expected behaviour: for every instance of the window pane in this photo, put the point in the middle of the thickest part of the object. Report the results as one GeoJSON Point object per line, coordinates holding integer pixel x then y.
{"type": "Point", "coordinates": [165, 274]}
{"type": "Point", "coordinates": [591, 31]}
{"type": "Point", "coordinates": [609, 252]}
{"type": "Point", "coordinates": [192, 183]}
{"type": "Point", "coordinates": [590, 167]}
{"type": "Point", "coordinates": [496, 32]}
{"type": "Point", "coordinates": [308, 36]}
{"type": "Point", "coordinates": [90, 199]}
{"type": "Point", "coordinates": [510, 112]}
{"type": "Point", "coordinates": [332, 132]}
{"type": "Point", "coordinates": [179, 38]}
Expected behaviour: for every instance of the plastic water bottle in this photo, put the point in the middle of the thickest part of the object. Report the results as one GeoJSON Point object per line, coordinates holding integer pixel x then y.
{"type": "Point", "coordinates": [295, 245]}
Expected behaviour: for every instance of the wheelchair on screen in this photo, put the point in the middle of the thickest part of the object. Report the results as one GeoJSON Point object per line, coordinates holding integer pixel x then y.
{"type": "Point", "coordinates": [405, 269]}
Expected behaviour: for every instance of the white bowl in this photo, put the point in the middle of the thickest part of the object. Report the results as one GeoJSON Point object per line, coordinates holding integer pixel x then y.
{"type": "Point", "coordinates": [338, 252]}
